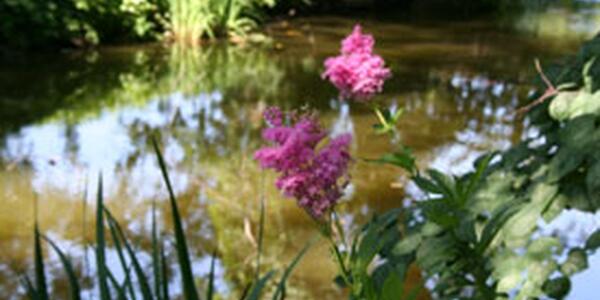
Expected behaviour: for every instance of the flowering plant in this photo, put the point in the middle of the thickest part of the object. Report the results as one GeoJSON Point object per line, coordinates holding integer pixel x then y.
{"type": "Point", "coordinates": [474, 236]}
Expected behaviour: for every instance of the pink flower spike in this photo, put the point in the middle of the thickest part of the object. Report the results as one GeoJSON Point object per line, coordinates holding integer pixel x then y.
{"type": "Point", "coordinates": [315, 178]}
{"type": "Point", "coordinates": [357, 42]}
{"type": "Point", "coordinates": [357, 73]}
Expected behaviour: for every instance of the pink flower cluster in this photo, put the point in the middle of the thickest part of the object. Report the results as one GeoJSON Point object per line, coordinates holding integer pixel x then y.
{"type": "Point", "coordinates": [357, 73]}
{"type": "Point", "coordinates": [315, 178]}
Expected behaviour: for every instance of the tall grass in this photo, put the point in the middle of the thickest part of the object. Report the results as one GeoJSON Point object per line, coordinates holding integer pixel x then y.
{"type": "Point", "coordinates": [108, 285]}
{"type": "Point", "coordinates": [193, 20]}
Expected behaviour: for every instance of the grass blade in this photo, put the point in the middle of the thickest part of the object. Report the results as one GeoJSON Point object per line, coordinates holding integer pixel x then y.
{"type": "Point", "coordinates": [261, 226]}
{"type": "Point", "coordinates": [113, 281]}
{"type": "Point", "coordinates": [211, 277]}
{"type": "Point", "coordinates": [29, 288]}
{"type": "Point", "coordinates": [101, 244]}
{"type": "Point", "coordinates": [40, 274]}
{"type": "Point", "coordinates": [258, 287]}
{"type": "Point", "coordinates": [189, 288]}
{"type": "Point", "coordinates": [164, 274]}
{"type": "Point", "coordinates": [73, 283]}
{"type": "Point", "coordinates": [137, 267]}
{"type": "Point", "coordinates": [280, 291]}
{"type": "Point", "coordinates": [155, 254]}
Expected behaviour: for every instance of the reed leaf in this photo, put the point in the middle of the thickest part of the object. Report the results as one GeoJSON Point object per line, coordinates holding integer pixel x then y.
{"type": "Point", "coordinates": [29, 288]}
{"type": "Point", "coordinates": [155, 255]}
{"type": "Point", "coordinates": [164, 274]}
{"type": "Point", "coordinates": [211, 277]}
{"type": "Point", "coordinates": [137, 267]}
{"type": "Point", "coordinates": [259, 286]}
{"type": "Point", "coordinates": [74, 289]}
{"type": "Point", "coordinates": [101, 245]}
{"type": "Point", "coordinates": [40, 274]}
{"type": "Point", "coordinates": [189, 288]}
{"type": "Point", "coordinates": [280, 291]}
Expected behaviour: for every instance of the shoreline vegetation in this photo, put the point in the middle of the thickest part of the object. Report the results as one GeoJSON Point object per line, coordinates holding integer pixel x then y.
{"type": "Point", "coordinates": [41, 24]}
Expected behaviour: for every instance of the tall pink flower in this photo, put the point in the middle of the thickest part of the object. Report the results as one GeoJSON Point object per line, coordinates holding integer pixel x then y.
{"type": "Point", "coordinates": [315, 178]}
{"type": "Point", "coordinates": [357, 72]}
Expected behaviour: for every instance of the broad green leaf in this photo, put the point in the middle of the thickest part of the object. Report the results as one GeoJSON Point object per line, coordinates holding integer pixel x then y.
{"type": "Point", "coordinates": [592, 180]}
{"type": "Point", "coordinates": [564, 162]}
{"type": "Point", "coordinates": [407, 245]}
{"type": "Point", "coordinates": [576, 262]}
{"type": "Point", "coordinates": [393, 288]}
{"type": "Point", "coordinates": [568, 105]}
{"type": "Point", "coordinates": [557, 288]}
{"type": "Point", "coordinates": [499, 217]}
{"type": "Point", "coordinates": [593, 242]}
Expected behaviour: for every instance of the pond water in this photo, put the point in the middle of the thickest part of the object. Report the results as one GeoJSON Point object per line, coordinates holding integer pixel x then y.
{"type": "Point", "coordinates": [64, 118]}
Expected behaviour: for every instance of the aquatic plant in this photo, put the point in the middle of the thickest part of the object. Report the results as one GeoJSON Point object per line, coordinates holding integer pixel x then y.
{"type": "Point", "coordinates": [108, 285]}
{"type": "Point", "coordinates": [193, 20]}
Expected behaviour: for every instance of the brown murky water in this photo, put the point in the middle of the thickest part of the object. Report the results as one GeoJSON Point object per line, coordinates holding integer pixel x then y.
{"type": "Point", "coordinates": [65, 118]}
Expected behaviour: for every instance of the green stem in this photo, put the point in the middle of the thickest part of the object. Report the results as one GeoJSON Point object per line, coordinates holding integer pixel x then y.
{"type": "Point", "coordinates": [325, 230]}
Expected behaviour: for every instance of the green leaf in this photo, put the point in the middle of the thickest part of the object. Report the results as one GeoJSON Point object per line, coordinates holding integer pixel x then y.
{"type": "Point", "coordinates": [593, 242]}
{"type": "Point", "coordinates": [576, 262]}
{"type": "Point", "coordinates": [137, 267]}
{"type": "Point", "coordinates": [73, 283]}
{"type": "Point", "coordinates": [566, 160]}
{"type": "Point", "coordinates": [592, 180]}
{"type": "Point", "coordinates": [29, 288]}
{"type": "Point", "coordinates": [211, 277]}
{"type": "Point", "coordinates": [101, 244]}
{"type": "Point", "coordinates": [393, 288]}
{"type": "Point", "coordinates": [480, 167]}
{"type": "Point", "coordinates": [427, 185]}
{"type": "Point", "coordinates": [445, 183]}
{"type": "Point", "coordinates": [259, 286]}
{"type": "Point", "coordinates": [40, 274]}
{"type": "Point", "coordinates": [120, 290]}
{"type": "Point", "coordinates": [189, 288]}
{"type": "Point", "coordinates": [465, 231]}
{"type": "Point", "coordinates": [280, 291]}
{"type": "Point", "coordinates": [407, 245]}
{"type": "Point", "coordinates": [165, 278]}
{"type": "Point", "coordinates": [499, 217]}
{"type": "Point", "coordinates": [155, 254]}
{"type": "Point", "coordinates": [261, 228]}
{"type": "Point", "coordinates": [434, 253]}
{"type": "Point", "coordinates": [569, 105]}
{"type": "Point", "coordinates": [557, 288]}
{"type": "Point", "coordinates": [403, 159]}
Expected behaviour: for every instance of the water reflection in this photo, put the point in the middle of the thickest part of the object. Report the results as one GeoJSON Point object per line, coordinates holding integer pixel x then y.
{"type": "Point", "coordinates": [95, 112]}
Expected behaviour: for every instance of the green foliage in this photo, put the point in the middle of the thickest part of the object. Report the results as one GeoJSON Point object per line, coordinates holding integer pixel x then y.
{"type": "Point", "coordinates": [192, 20]}
{"type": "Point", "coordinates": [473, 235]}
{"type": "Point", "coordinates": [122, 245]}
{"type": "Point", "coordinates": [30, 23]}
